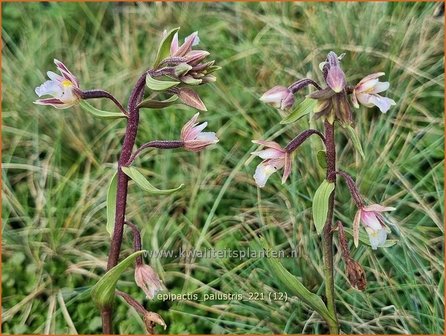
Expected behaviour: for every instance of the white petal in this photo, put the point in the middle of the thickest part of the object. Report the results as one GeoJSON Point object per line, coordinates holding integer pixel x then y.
{"type": "Point", "coordinates": [380, 87]}
{"type": "Point", "coordinates": [207, 136]}
{"type": "Point", "coordinates": [377, 238]}
{"type": "Point", "coordinates": [52, 88]}
{"type": "Point", "coordinates": [54, 76]}
{"type": "Point", "coordinates": [263, 172]}
{"type": "Point", "coordinates": [382, 103]}
{"type": "Point", "coordinates": [269, 153]}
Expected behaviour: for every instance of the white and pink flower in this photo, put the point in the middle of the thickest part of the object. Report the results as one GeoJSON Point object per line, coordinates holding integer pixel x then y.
{"type": "Point", "coordinates": [373, 222]}
{"type": "Point", "coordinates": [279, 97]}
{"type": "Point", "coordinates": [61, 87]}
{"type": "Point", "coordinates": [274, 158]}
{"type": "Point", "coordinates": [147, 279]}
{"type": "Point", "coordinates": [366, 92]}
{"type": "Point", "coordinates": [193, 136]}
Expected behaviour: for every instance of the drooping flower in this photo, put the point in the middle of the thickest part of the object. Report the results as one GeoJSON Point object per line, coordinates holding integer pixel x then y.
{"type": "Point", "coordinates": [193, 136]}
{"type": "Point", "coordinates": [366, 92]}
{"type": "Point", "coordinates": [63, 88]}
{"type": "Point", "coordinates": [279, 97]}
{"type": "Point", "coordinates": [274, 158]}
{"type": "Point", "coordinates": [147, 279]}
{"type": "Point", "coordinates": [370, 216]}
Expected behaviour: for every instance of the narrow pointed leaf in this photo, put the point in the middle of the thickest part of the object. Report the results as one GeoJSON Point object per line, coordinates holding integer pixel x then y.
{"type": "Point", "coordinates": [164, 47]}
{"type": "Point", "coordinates": [190, 97]}
{"type": "Point", "coordinates": [302, 109]}
{"type": "Point", "coordinates": [294, 286]}
{"type": "Point", "coordinates": [142, 182]}
{"type": "Point", "coordinates": [159, 85]}
{"type": "Point", "coordinates": [320, 204]}
{"type": "Point", "coordinates": [111, 204]}
{"type": "Point", "coordinates": [100, 113]}
{"type": "Point", "coordinates": [157, 104]}
{"type": "Point", "coordinates": [353, 136]}
{"type": "Point", "coordinates": [103, 292]}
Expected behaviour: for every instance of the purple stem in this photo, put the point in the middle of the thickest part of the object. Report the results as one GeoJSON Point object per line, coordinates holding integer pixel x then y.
{"type": "Point", "coordinates": [300, 84]}
{"type": "Point", "coordinates": [92, 94]}
{"type": "Point", "coordinates": [121, 194]}
{"type": "Point", "coordinates": [298, 140]}
{"type": "Point", "coordinates": [161, 144]}
{"type": "Point", "coordinates": [352, 187]}
{"type": "Point", "coordinates": [136, 240]}
{"type": "Point", "coordinates": [327, 235]}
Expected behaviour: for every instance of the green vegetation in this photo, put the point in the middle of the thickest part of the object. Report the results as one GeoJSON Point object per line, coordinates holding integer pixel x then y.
{"type": "Point", "coordinates": [57, 165]}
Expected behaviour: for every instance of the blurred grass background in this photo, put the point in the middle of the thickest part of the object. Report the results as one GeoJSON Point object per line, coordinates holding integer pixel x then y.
{"type": "Point", "coordinates": [57, 164]}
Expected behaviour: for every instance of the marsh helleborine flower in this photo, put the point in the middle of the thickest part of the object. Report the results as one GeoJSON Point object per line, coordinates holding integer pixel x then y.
{"type": "Point", "coordinates": [366, 93]}
{"type": "Point", "coordinates": [279, 97]}
{"type": "Point", "coordinates": [274, 158]}
{"type": "Point", "coordinates": [62, 87]}
{"type": "Point", "coordinates": [193, 136]}
{"type": "Point", "coordinates": [147, 279]}
{"type": "Point", "coordinates": [373, 222]}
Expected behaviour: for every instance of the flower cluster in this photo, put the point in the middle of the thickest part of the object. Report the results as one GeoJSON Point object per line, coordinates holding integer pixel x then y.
{"type": "Point", "coordinates": [330, 102]}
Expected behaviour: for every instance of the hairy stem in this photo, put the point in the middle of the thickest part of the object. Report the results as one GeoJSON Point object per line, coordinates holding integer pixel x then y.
{"type": "Point", "coordinates": [92, 94]}
{"type": "Point", "coordinates": [327, 237]}
{"type": "Point", "coordinates": [121, 195]}
{"type": "Point", "coordinates": [161, 144]}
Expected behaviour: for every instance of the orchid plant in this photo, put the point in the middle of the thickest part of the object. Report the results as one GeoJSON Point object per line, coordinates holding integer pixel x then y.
{"type": "Point", "coordinates": [330, 103]}
{"type": "Point", "coordinates": [177, 69]}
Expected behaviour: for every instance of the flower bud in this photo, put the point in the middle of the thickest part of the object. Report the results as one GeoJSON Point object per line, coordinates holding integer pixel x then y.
{"type": "Point", "coordinates": [335, 76]}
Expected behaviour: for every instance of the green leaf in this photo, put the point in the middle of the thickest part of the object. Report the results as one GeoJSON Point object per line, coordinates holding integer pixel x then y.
{"type": "Point", "coordinates": [294, 286]}
{"type": "Point", "coordinates": [142, 182]}
{"type": "Point", "coordinates": [322, 158]}
{"type": "Point", "coordinates": [351, 133]}
{"type": "Point", "coordinates": [100, 113]}
{"type": "Point", "coordinates": [157, 104]}
{"type": "Point", "coordinates": [320, 204]}
{"type": "Point", "coordinates": [302, 109]}
{"type": "Point", "coordinates": [111, 204]}
{"type": "Point", "coordinates": [103, 292]}
{"type": "Point", "coordinates": [159, 85]}
{"type": "Point", "coordinates": [164, 47]}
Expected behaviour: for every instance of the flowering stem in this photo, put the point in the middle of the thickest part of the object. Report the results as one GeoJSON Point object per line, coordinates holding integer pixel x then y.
{"type": "Point", "coordinates": [298, 140]}
{"type": "Point", "coordinates": [121, 195]}
{"type": "Point", "coordinates": [327, 235]}
{"type": "Point", "coordinates": [92, 94]}
{"type": "Point", "coordinates": [162, 144]}
{"type": "Point", "coordinates": [300, 84]}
